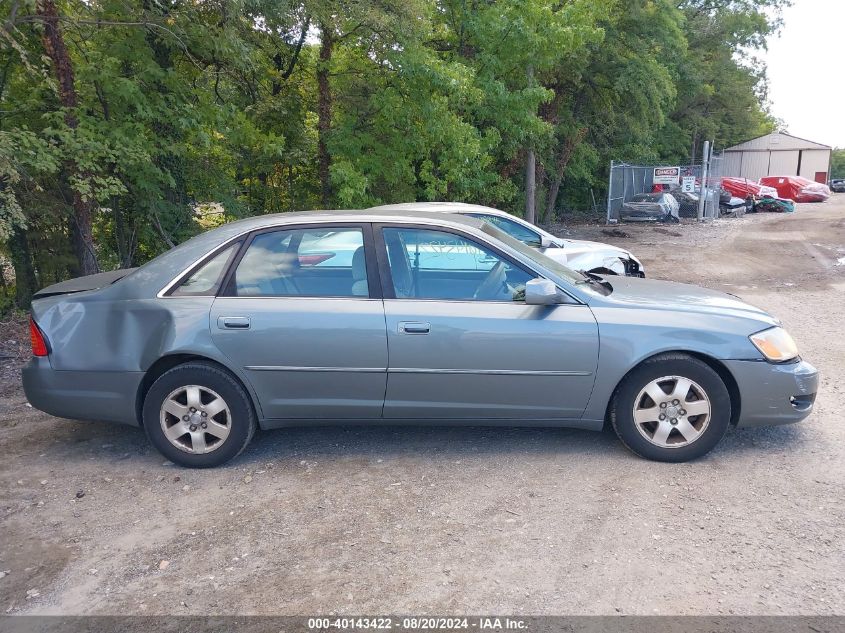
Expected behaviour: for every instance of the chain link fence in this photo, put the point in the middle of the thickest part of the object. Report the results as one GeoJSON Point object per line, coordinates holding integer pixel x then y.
{"type": "Point", "coordinates": [627, 181]}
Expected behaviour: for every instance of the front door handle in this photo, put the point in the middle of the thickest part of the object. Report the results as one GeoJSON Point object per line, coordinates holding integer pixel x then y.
{"type": "Point", "coordinates": [233, 323]}
{"type": "Point", "coordinates": [414, 327]}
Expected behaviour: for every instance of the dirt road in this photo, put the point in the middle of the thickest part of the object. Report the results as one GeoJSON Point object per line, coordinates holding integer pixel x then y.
{"type": "Point", "coordinates": [435, 520]}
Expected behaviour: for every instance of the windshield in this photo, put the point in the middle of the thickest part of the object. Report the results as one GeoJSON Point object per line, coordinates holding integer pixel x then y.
{"type": "Point", "coordinates": [511, 227]}
{"type": "Point", "coordinates": [534, 255]}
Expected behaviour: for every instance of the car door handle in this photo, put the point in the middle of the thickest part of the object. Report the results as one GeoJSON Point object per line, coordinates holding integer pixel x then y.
{"type": "Point", "coordinates": [414, 327]}
{"type": "Point", "coordinates": [233, 323]}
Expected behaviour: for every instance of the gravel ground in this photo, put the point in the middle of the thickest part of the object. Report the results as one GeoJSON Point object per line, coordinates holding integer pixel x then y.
{"type": "Point", "coordinates": [444, 520]}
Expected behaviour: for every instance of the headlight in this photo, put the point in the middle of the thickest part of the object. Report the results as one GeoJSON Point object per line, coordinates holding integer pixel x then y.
{"type": "Point", "coordinates": [775, 344]}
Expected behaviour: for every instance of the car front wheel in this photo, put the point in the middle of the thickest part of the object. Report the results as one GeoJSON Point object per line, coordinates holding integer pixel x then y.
{"type": "Point", "coordinates": [198, 415]}
{"type": "Point", "coordinates": [672, 408]}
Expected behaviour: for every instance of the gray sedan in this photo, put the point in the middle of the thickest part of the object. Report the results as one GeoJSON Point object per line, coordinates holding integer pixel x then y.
{"type": "Point", "coordinates": [402, 318]}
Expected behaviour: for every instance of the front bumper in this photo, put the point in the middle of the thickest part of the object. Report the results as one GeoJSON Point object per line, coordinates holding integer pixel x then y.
{"type": "Point", "coordinates": [108, 396]}
{"type": "Point", "coordinates": [774, 394]}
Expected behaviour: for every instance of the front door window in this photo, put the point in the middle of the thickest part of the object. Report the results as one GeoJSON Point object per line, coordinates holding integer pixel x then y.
{"type": "Point", "coordinates": [429, 264]}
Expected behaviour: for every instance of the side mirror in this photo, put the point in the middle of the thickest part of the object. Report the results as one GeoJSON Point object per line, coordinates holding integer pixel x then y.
{"type": "Point", "coordinates": [546, 241]}
{"type": "Point", "coordinates": [542, 292]}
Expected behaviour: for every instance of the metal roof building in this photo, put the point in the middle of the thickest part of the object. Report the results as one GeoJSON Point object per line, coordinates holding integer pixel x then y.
{"type": "Point", "coordinates": [777, 154]}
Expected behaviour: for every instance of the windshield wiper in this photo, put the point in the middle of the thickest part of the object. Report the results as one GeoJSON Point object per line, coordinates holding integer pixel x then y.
{"type": "Point", "coordinates": [594, 279]}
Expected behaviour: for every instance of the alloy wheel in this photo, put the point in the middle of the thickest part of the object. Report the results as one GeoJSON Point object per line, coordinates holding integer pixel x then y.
{"type": "Point", "coordinates": [672, 411]}
{"type": "Point", "coordinates": [195, 419]}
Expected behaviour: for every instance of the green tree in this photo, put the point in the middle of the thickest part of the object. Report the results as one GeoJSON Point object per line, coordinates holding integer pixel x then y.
{"type": "Point", "coordinates": [837, 163]}
{"type": "Point", "coordinates": [146, 121]}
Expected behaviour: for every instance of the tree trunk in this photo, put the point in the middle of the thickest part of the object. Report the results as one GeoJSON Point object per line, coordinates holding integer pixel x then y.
{"type": "Point", "coordinates": [324, 113]}
{"type": "Point", "coordinates": [277, 59]}
{"type": "Point", "coordinates": [54, 45]}
{"type": "Point", "coordinates": [124, 241]}
{"type": "Point", "coordinates": [553, 191]}
{"type": "Point", "coordinates": [530, 169]}
{"type": "Point", "coordinates": [530, 186]}
{"type": "Point", "coordinates": [540, 180]}
{"type": "Point", "coordinates": [25, 281]}
{"type": "Point", "coordinates": [560, 169]}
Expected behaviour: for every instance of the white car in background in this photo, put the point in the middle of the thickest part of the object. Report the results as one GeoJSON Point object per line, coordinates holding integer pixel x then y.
{"type": "Point", "coordinates": [594, 257]}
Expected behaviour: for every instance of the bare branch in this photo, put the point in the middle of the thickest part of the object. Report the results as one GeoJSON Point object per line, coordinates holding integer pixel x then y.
{"type": "Point", "coordinates": [161, 231]}
{"type": "Point", "coordinates": [298, 49]}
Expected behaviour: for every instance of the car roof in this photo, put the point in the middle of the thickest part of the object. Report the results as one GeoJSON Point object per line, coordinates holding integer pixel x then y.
{"type": "Point", "coordinates": [149, 278]}
{"type": "Point", "coordinates": [386, 213]}
{"type": "Point", "coordinates": [440, 207]}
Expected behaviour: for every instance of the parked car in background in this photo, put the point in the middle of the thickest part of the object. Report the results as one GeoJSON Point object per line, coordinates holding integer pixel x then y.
{"type": "Point", "coordinates": [241, 328]}
{"type": "Point", "coordinates": [659, 206]}
{"type": "Point", "coordinates": [687, 202]}
{"type": "Point", "coordinates": [744, 188]}
{"type": "Point", "coordinates": [595, 257]}
{"type": "Point", "coordinates": [837, 185]}
{"type": "Point", "coordinates": [735, 204]}
{"type": "Point", "coordinates": [797, 188]}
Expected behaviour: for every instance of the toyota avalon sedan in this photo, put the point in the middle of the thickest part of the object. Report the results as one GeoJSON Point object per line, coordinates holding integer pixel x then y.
{"type": "Point", "coordinates": [594, 257]}
{"type": "Point", "coordinates": [385, 317]}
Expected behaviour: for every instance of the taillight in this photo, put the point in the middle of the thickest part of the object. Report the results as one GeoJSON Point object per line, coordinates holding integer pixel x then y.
{"type": "Point", "coordinates": [39, 343]}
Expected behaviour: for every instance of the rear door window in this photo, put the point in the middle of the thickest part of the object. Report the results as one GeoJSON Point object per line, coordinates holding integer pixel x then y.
{"type": "Point", "coordinates": [312, 262]}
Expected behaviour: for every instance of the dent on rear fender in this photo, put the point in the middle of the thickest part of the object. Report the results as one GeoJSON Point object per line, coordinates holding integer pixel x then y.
{"type": "Point", "coordinates": [90, 335]}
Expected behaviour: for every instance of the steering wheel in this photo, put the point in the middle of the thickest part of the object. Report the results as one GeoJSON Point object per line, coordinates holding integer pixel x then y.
{"type": "Point", "coordinates": [494, 280]}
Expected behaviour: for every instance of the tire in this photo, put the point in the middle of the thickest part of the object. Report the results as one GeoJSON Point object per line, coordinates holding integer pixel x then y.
{"type": "Point", "coordinates": [684, 433]}
{"type": "Point", "coordinates": [206, 402]}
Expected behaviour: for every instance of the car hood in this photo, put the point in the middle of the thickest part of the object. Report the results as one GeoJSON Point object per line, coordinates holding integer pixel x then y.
{"type": "Point", "coordinates": [586, 255]}
{"type": "Point", "coordinates": [631, 292]}
{"type": "Point", "coordinates": [578, 247]}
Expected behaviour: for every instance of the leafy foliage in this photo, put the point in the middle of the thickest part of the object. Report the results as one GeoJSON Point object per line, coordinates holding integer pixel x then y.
{"type": "Point", "coordinates": [837, 163]}
{"type": "Point", "coordinates": [189, 114]}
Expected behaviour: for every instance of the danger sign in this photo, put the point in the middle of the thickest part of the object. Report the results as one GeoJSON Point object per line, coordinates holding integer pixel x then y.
{"type": "Point", "coordinates": [666, 175]}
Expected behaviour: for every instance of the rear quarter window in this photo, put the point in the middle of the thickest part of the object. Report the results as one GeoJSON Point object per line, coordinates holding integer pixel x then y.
{"type": "Point", "coordinates": [207, 278]}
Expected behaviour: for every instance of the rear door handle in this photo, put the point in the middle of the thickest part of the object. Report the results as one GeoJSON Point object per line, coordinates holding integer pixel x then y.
{"type": "Point", "coordinates": [414, 327]}
{"type": "Point", "coordinates": [233, 323]}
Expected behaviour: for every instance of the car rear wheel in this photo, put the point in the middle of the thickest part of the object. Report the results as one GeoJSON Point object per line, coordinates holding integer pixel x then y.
{"type": "Point", "coordinates": [672, 408]}
{"type": "Point", "coordinates": [198, 415]}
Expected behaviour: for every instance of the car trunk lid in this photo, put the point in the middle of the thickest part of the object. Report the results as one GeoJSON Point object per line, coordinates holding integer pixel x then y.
{"type": "Point", "coordinates": [81, 284]}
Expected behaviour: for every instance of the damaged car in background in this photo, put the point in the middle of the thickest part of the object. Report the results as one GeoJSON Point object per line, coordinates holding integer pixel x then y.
{"type": "Point", "coordinates": [797, 189]}
{"type": "Point", "coordinates": [593, 257]}
{"type": "Point", "coordinates": [759, 198]}
{"type": "Point", "coordinates": [658, 206]}
{"type": "Point", "coordinates": [745, 188]}
{"type": "Point", "coordinates": [728, 204]}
